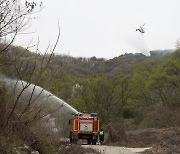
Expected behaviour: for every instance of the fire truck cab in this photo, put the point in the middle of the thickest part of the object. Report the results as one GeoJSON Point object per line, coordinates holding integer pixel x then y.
{"type": "Point", "coordinates": [84, 126]}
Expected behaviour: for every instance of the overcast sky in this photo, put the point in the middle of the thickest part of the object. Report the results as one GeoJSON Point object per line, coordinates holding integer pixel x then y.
{"type": "Point", "coordinates": [105, 28]}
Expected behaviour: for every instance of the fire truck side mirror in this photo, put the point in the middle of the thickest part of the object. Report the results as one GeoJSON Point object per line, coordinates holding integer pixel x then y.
{"type": "Point", "coordinates": [69, 121]}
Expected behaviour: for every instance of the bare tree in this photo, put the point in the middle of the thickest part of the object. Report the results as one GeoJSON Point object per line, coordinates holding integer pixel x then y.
{"type": "Point", "coordinates": [15, 113]}
{"type": "Point", "coordinates": [40, 65]}
{"type": "Point", "coordinates": [14, 18]}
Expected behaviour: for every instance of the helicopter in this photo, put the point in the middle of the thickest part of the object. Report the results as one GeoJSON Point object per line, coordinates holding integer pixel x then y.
{"type": "Point", "coordinates": [141, 29]}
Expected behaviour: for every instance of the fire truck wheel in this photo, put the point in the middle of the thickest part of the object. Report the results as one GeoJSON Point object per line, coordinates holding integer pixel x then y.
{"type": "Point", "coordinates": [89, 141]}
{"type": "Point", "coordinates": [70, 137]}
{"type": "Point", "coordinates": [94, 142]}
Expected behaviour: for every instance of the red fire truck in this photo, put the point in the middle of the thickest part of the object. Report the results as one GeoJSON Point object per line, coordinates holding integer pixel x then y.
{"type": "Point", "coordinates": [84, 126]}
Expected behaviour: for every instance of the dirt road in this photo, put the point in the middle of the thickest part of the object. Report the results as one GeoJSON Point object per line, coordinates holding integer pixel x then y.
{"type": "Point", "coordinates": [115, 150]}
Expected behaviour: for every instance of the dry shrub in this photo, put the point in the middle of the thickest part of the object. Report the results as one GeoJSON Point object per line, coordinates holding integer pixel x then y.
{"type": "Point", "coordinates": [115, 133]}
{"type": "Point", "coordinates": [3, 104]}
{"type": "Point", "coordinates": [161, 116]}
{"type": "Point", "coordinates": [8, 144]}
{"type": "Point", "coordinates": [45, 140]}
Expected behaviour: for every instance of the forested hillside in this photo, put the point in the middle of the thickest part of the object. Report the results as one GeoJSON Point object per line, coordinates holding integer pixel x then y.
{"type": "Point", "coordinates": [136, 90]}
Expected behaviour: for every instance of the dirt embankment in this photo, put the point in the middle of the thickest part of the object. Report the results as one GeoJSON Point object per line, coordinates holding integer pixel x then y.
{"type": "Point", "coordinates": [162, 141]}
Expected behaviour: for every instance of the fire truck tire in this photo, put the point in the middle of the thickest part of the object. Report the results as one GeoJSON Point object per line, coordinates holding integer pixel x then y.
{"type": "Point", "coordinates": [89, 141]}
{"type": "Point", "coordinates": [70, 137]}
{"type": "Point", "coordinates": [94, 142]}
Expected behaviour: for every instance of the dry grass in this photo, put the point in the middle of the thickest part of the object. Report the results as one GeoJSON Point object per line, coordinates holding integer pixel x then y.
{"type": "Point", "coordinates": [162, 141]}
